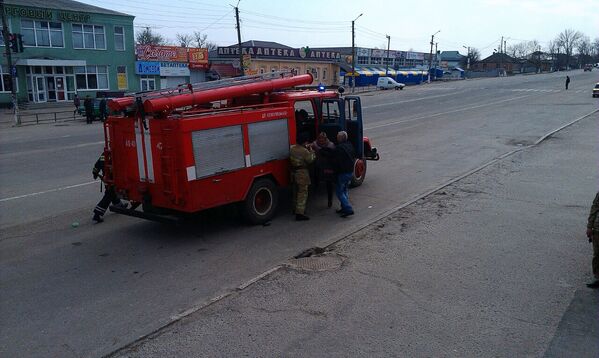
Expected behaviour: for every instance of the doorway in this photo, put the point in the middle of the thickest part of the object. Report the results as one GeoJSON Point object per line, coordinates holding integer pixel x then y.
{"type": "Point", "coordinates": [39, 89]}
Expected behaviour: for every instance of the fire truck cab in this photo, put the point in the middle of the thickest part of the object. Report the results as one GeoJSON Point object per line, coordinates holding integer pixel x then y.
{"type": "Point", "coordinates": [180, 151]}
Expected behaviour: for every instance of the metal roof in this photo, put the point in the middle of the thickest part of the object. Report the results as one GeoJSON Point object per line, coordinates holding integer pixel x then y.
{"type": "Point", "coordinates": [67, 5]}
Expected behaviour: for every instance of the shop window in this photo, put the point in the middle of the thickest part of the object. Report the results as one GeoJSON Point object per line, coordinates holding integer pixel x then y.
{"type": "Point", "coordinates": [147, 83]}
{"type": "Point", "coordinates": [376, 60]}
{"type": "Point", "coordinates": [91, 77]}
{"type": "Point", "coordinates": [42, 33]}
{"type": "Point", "coordinates": [89, 37]}
{"type": "Point", "coordinates": [5, 82]}
{"type": "Point", "coordinates": [121, 77]}
{"type": "Point", "coordinates": [119, 38]}
{"type": "Point", "coordinates": [362, 60]}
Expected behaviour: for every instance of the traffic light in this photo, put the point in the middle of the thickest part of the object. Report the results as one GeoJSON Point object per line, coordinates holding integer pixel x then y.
{"type": "Point", "coordinates": [15, 41]}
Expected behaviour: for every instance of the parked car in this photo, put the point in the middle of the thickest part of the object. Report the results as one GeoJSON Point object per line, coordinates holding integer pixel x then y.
{"type": "Point", "coordinates": [388, 82]}
{"type": "Point", "coordinates": [596, 90]}
{"type": "Point", "coordinates": [588, 67]}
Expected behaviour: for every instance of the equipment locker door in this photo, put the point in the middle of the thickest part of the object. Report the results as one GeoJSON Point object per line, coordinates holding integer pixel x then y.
{"type": "Point", "coordinates": [353, 124]}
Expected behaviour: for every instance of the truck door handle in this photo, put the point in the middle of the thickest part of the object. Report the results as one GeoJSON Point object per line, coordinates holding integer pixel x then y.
{"type": "Point", "coordinates": [216, 180]}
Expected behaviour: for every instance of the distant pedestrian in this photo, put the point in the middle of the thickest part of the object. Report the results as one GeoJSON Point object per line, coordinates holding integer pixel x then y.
{"type": "Point", "coordinates": [77, 103]}
{"type": "Point", "coordinates": [593, 235]}
{"type": "Point", "coordinates": [567, 82]}
{"type": "Point", "coordinates": [88, 104]}
{"type": "Point", "coordinates": [103, 109]}
{"type": "Point", "coordinates": [344, 157]}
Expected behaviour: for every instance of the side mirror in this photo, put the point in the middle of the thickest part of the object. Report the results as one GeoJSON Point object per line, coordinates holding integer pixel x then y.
{"type": "Point", "coordinates": [340, 89]}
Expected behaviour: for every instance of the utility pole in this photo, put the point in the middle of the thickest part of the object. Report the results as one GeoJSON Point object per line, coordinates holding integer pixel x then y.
{"type": "Point", "coordinates": [500, 56]}
{"type": "Point", "coordinates": [387, 60]}
{"type": "Point", "coordinates": [239, 39]}
{"type": "Point", "coordinates": [430, 56]}
{"type": "Point", "coordinates": [11, 70]}
{"type": "Point", "coordinates": [436, 58]}
{"type": "Point", "coordinates": [468, 57]}
{"type": "Point", "coordinates": [353, 53]}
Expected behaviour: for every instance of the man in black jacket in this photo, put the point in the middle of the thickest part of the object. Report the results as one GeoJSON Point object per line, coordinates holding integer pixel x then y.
{"type": "Point", "coordinates": [344, 157]}
{"type": "Point", "coordinates": [110, 195]}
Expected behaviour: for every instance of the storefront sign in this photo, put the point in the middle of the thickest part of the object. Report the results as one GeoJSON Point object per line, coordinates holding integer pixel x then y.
{"type": "Point", "coordinates": [161, 53]}
{"type": "Point", "coordinates": [304, 53]}
{"type": "Point", "coordinates": [147, 68]}
{"type": "Point", "coordinates": [174, 69]}
{"type": "Point", "coordinates": [198, 58]}
{"type": "Point", "coordinates": [363, 52]}
{"type": "Point", "coordinates": [415, 56]}
{"type": "Point", "coordinates": [46, 14]}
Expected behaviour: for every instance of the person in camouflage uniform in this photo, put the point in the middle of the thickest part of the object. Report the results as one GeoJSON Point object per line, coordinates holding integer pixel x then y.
{"type": "Point", "coordinates": [300, 157]}
{"type": "Point", "coordinates": [593, 235]}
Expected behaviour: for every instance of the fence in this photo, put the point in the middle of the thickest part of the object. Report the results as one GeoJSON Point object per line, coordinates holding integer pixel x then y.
{"type": "Point", "coordinates": [61, 116]}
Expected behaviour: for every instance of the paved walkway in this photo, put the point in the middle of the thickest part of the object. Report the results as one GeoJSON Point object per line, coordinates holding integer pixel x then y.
{"type": "Point", "coordinates": [493, 265]}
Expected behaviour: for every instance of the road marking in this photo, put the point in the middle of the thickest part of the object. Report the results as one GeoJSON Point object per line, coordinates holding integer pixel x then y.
{"type": "Point", "coordinates": [35, 151]}
{"type": "Point", "coordinates": [448, 112]}
{"type": "Point", "coordinates": [46, 191]}
{"type": "Point", "coordinates": [410, 100]}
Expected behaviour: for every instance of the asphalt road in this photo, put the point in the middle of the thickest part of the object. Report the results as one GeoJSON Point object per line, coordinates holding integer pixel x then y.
{"type": "Point", "coordinates": [89, 290]}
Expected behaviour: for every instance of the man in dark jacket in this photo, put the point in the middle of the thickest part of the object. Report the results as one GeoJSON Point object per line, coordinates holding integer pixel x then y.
{"type": "Point", "coordinates": [593, 235]}
{"type": "Point", "coordinates": [567, 82]}
{"type": "Point", "coordinates": [110, 195]}
{"type": "Point", "coordinates": [103, 109]}
{"type": "Point", "coordinates": [88, 104]}
{"type": "Point", "coordinates": [344, 157]}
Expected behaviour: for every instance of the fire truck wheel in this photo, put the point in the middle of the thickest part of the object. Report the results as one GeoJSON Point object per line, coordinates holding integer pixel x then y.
{"type": "Point", "coordinates": [359, 172]}
{"type": "Point", "coordinates": [261, 201]}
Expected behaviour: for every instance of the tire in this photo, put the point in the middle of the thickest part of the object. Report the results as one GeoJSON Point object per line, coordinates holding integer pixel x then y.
{"type": "Point", "coordinates": [359, 173]}
{"type": "Point", "coordinates": [261, 202]}
{"type": "Point", "coordinates": [401, 88]}
{"type": "Point", "coordinates": [397, 87]}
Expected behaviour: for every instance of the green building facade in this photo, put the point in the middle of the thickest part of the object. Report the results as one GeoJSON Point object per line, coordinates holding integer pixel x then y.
{"type": "Point", "coordinates": [69, 48]}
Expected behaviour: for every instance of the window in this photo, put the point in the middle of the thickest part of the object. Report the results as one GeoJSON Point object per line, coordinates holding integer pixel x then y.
{"type": "Point", "coordinates": [91, 77]}
{"type": "Point", "coordinates": [376, 60]}
{"type": "Point", "coordinates": [89, 37]}
{"type": "Point", "coordinates": [324, 74]}
{"type": "Point", "coordinates": [5, 82]}
{"type": "Point", "coordinates": [42, 33]}
{"type": "Point", "coordinates": [119, 38]}
{"type": "Point", "coordinates": [262, 70]}
{"type": "Point", "coordinates": [147, 83]}
{"type": "Point", "coordinates": [362, 60]}
{"type": "Point", "coordinates": [1, 35]}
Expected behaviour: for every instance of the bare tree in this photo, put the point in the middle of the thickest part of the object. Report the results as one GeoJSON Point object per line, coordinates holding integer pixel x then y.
{"type": "Point", "coordinates": [595, 49]}
{"type": "Point", "coordinates": [184, 40]}
{"type": "Point", "coordinates": [585, 49]}
{"type": "Point", "coordinates": [473, 55]}
{"type": "Point", "coordinates": [517, 50]}
{"type": "Point", "coordinates": [201, 40]}
{"type": "Point", "coordinates": [568, 40]}
{"type": "Point", "coordinates": [148, 37]}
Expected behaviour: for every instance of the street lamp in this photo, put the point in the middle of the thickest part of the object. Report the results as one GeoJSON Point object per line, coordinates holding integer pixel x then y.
{"type": "Point", "coordinates": [468, 57]}
{"type": "Point", "coordinates": [430, 56]}
{"type": "Point", "coordinates": [353, 53]}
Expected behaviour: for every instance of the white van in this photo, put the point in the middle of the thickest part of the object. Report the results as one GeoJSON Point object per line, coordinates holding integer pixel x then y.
{"type": "Point", "coordinates": [388, 82]}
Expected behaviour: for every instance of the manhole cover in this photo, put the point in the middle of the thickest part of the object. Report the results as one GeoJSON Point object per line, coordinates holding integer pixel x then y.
{"type": "Point", "coordinates": [317, 263]}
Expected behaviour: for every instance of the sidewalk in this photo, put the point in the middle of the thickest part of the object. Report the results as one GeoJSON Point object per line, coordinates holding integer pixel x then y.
{"type": "Point", "coordinates": [51, 114]}
{"type": "Point", "coordinates": [493, 265]}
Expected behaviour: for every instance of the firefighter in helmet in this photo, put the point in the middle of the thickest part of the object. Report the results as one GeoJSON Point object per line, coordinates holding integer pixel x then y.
{"type": "Point", "coordinates": [300, 157]}
{"type": "Point", "coordinates": [110, 195]}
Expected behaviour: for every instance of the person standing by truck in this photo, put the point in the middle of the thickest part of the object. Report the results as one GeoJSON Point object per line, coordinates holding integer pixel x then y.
{"type": "Point", "coordinates": [593, 236]}
{"type": "Point", "coordinates": [300, 158]}
{"type": "Point", "coordinates": [567, 82]}
{"type": "Point", "coordinates": [103, 109]}
{"type": "Point", "coordinates": [88, 104]}
{"type": "Point", "coordinates": [344, 158]}
{"type": "Point", "coordinates": [77, 103]}
{"type": "Point", "coordinates": [110, 195]}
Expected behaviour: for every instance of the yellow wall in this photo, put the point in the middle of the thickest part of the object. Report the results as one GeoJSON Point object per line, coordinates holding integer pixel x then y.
{"type": "Point", "coordinates": [330, 71]}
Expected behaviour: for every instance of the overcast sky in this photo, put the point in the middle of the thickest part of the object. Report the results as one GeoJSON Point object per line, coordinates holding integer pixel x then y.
{"type": "Point", "coordinates": [317, 23]}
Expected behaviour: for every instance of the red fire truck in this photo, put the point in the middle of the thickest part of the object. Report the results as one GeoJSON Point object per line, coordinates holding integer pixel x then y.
{"type": "Point", "coordinates": [183, 150]}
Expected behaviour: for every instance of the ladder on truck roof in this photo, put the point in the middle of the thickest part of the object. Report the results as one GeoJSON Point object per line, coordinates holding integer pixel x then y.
{"type": "Point", "coordinates": [203, 86]}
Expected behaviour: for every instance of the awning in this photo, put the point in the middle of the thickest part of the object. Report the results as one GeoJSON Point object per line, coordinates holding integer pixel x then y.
{"type": "Point", "coordinates": [42, 62]}
{"type": "Point", "coordinates": [225, 69]}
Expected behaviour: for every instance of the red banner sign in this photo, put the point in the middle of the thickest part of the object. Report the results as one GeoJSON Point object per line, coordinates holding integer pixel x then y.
{"type": "Point", "coordinates": [198, 58]}
{"type": "Point", "coordinates": [161, 53]}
